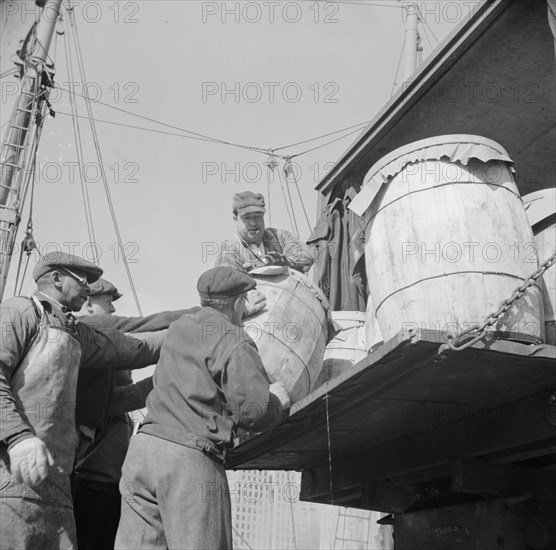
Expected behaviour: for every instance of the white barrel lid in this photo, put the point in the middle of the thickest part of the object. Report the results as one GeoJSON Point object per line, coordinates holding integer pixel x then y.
{"type": "Point", "coordinates": [457, 147]}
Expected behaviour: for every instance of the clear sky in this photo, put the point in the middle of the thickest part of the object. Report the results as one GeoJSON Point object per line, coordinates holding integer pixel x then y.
{"type": "Point", "coordinates": [262, 74]}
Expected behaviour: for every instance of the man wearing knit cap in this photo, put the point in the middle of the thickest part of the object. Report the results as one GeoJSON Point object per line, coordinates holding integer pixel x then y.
{"type": "Point", "coordinates": [209, 382]}
{"type": "Point", "coordinates": [42, 348]}
{"type": "Point", "coordinates": [254, 245]}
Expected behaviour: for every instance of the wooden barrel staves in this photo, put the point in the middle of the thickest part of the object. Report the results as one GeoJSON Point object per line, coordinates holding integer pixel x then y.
{"type": "Point", "coordinates": [541, 211]}
{"type": "Point", "coordinates": [291, 332]}
{"type": "Point", "coordinates": [447, 240]}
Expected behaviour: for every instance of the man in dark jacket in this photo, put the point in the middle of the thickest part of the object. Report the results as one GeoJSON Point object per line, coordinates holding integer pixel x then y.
{"type": "Point", "coordinates": [209, 381]}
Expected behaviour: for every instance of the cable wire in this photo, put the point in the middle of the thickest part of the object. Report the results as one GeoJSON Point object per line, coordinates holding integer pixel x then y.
{"type": "Point", "coordinates": [239, 535]}
{"type": "Point", "coordinates": [395, 84]}
{"type": "Point", "coordinates": [430, 30]}
{"type": "Point", "coordinates": [325, 144]}
{"type": "Point", "coordinates": [292, 172]}
{"type": "Point", "coordinates": [209, 138]}
{"type": "Point", "coordinates": [322, 136]}
{"type": "Point", "coordinates": [9, 72]}
{"type": "Point", "coordinates": [426, 34]}
{"type": "Point", "coordinates": [292, 516]}
{"type": "Point", "coordinates": [291, 215]}
{"type": "Point", "coordinates": [73, 26]}
{"type": "Point", "coordinates": [368, 4]}
{"type": "Point", "coordinates": [79, 151]}
{"type": "Point", "coordinates": [132, 126]}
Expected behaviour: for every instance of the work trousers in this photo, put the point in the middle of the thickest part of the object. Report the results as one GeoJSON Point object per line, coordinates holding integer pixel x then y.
{"type": "Point", "coordinates": [173, 497]}
{"type": "Point", "coordinates": [96, 507]}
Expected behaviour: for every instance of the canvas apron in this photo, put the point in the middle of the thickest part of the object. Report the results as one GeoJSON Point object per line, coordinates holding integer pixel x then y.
{"type": "Point", "coordinates": [44, 387]}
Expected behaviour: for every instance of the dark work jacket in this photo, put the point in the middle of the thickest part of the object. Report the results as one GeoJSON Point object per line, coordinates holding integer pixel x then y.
{"type": "Point", "coordinates": [95, 386]}
{"type": "Point", "coordinates": [208, 382]}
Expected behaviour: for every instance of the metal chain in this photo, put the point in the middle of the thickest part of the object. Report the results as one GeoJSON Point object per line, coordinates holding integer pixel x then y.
{"type": "Point", "coordinates": [494, 317]}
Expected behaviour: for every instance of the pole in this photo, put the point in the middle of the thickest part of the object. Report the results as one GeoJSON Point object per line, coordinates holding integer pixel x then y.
{"type": "Point", "coordinates": [24, 124]}
{"type": "Point", "coordinates": [411, 40]}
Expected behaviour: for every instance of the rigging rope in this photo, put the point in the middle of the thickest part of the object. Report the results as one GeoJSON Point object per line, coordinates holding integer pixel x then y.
{"type": "Point", "coordinates": [73, 26]}
{"type": "Point", "coordinates": [325, 144]}
{"type": "Point", "coordinates": [430, 30]}
{"type": "Point", "coordinates": [426, 34]}
{"type": "Point", "coordinates": [8, 73]}
{"type": "Point", "coordinates": [132, 125]}
{"type": "Point", "coordinates": [284, 157]}
{"type": "Point", "coordinates": [79, 151]}
{"type": "Point", "coordinates": [239, 535]}
{"type": "Point", "coordinates": [288, 169]}
{"type": "Point", "coordinates": [208, 138]}
{"type": "Point", "coordinates": [47, 56]}
{"type": "Point", "coordinates": [368, 4]}
{"type": "Point", "coordinates": [289, 205]}
{"type": "Point", "coordinates": [395, 83]}
{"type": "Point", "coordinates": [271, 164]}
{"type": "Point", "coordinates": [329, 448]}
{"type": "Point", "coordinates": [322, 136]}
{"type": "Point", "coordinates": [292, 515]}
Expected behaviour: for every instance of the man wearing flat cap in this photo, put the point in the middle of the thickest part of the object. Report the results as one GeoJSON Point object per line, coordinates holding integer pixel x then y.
{"type": "Point", "coordinates": [255, 245]}
{"type": "Point", "coordinates": [43, 347]}
{"type": "Point", "coordinates": [209, 382]}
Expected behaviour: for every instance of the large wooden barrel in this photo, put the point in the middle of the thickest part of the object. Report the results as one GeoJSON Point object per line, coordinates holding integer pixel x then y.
{"type": "Point", "coordinates": [347, 347]}
{"type": "Point", "coordinates": [291, 332]}
{"type": "Point", "coordinates": [541, 211]}
{"type": "Point", "coordinates": [447, 239]}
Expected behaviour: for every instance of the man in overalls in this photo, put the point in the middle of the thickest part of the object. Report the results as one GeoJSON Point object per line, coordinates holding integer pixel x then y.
{"type": "Point", "coordinates": [42, 348]}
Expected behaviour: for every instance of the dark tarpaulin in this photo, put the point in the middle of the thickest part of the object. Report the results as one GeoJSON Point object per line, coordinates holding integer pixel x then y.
{"type": "Point", "coordinates": [338, 241]}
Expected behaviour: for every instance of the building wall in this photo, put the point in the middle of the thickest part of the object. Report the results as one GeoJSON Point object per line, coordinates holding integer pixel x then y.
{"type": "Point", "coordinates": [268, 515]}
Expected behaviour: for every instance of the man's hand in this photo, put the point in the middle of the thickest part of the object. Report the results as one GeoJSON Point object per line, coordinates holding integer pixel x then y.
{"type": "Point", "coordinates": [275, 258]}
{"type": "Point", "coordinates": [256, 301]}
{"type": "Point", "coordinates": [29, 461]}
{"type": "Point", "coordinates": [279, 390]}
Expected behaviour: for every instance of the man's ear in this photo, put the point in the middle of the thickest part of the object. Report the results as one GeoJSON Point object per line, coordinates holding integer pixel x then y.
{"type": "Point", "coordinates": [56, 278]}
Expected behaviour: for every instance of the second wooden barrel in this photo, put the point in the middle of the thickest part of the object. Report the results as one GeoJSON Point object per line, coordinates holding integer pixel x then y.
{"type": "Point", "coordinates": [541, 211]}
{"type": "Point", "coordinates": [447, 239]}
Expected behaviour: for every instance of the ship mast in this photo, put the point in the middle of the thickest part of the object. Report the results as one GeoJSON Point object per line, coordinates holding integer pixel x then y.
{"type": "Point", "coordinates": [17, 157]}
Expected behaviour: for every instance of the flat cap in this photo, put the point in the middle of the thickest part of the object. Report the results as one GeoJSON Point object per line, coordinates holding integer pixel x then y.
{"type": "Point", "coordinates": [248, 202]}
{"type": "Point", "coordinates": [53, 260]}
{"type": "Point", "coordinates": [102, 286]}
{"type": "Point", "coordinates": [224, 282]}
